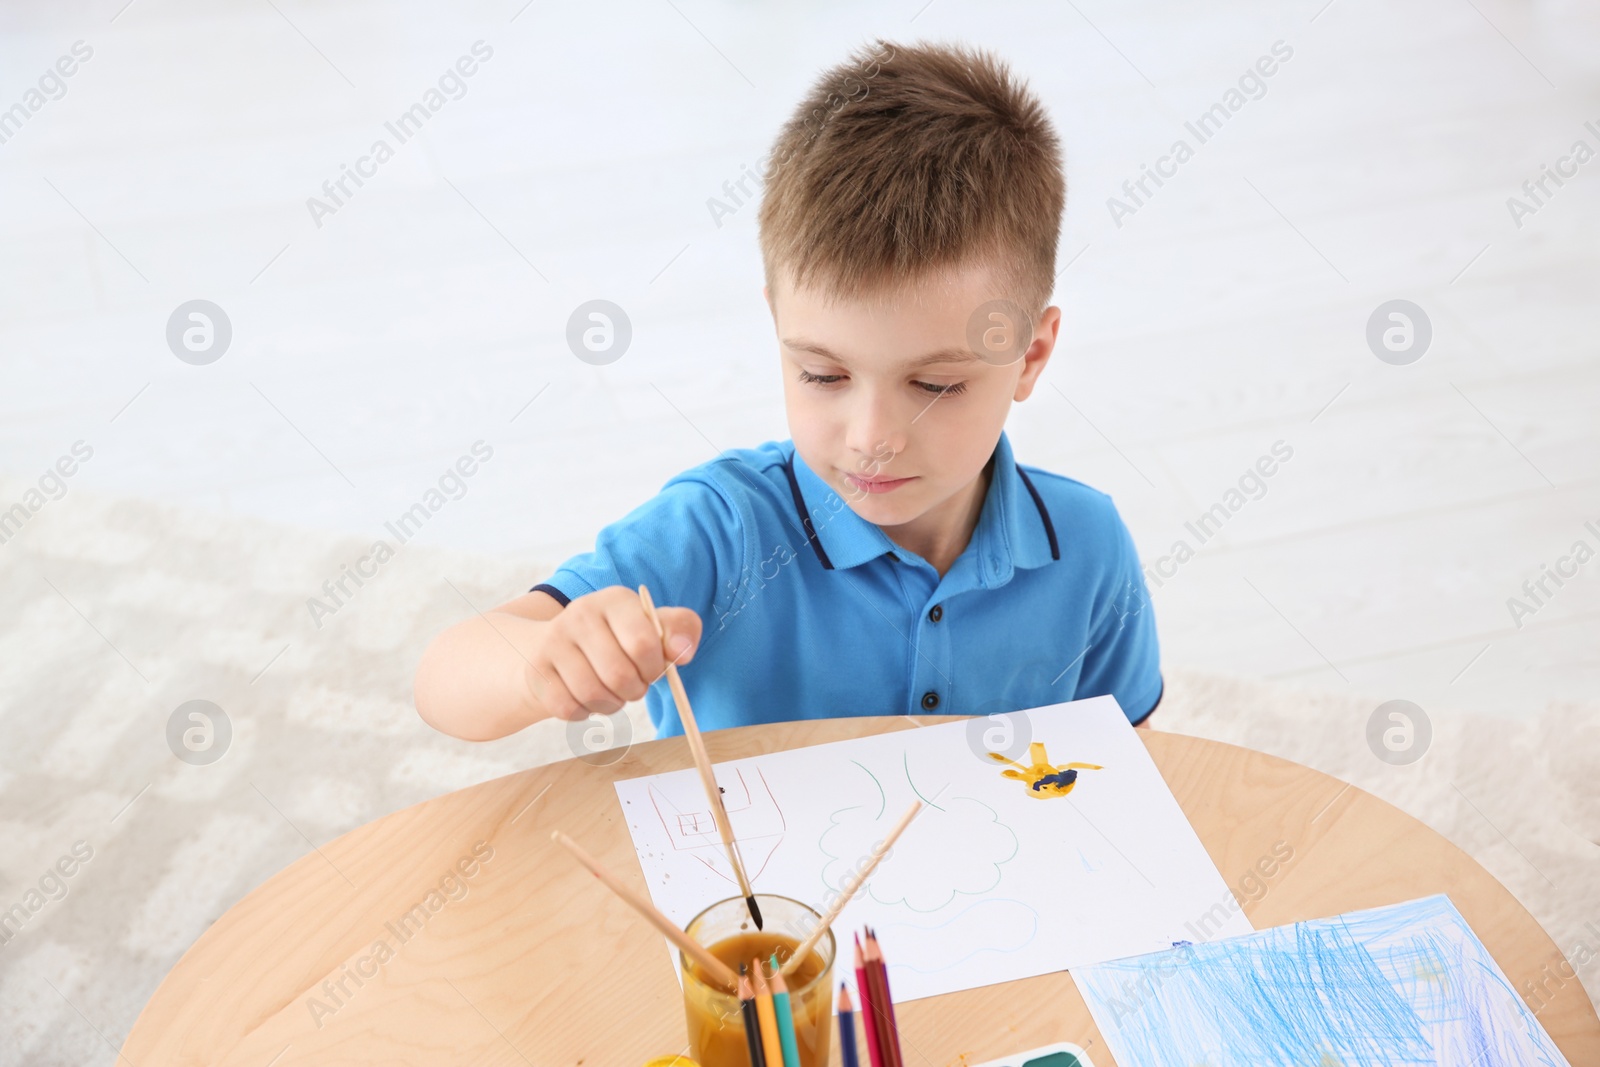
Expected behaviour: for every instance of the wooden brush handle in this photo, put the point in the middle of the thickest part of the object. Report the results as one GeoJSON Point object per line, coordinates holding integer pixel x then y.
{"type": "Point", "coordinates": [697, 748]}
{"type": "Point", "coordinates": [692, 948]}
{"type": "Point", "coordinates": [805, 947]}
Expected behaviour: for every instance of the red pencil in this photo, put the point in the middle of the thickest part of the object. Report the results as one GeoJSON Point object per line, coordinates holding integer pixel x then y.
{"type": "Point", "coordinates": [869, 1012]}
{"type": "Point", "coordinates": [878, 974]}
{"type": "Point", "coordinates": [877, 950]}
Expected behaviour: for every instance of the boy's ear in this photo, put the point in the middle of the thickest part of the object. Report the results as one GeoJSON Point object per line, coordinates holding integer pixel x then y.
{"type": "Point", "coordinates": [1038, 353]}
{"type": "Point", "coordinates": [767, 296]}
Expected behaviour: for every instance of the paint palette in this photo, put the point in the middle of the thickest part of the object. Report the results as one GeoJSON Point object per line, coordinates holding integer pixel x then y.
{"type": "Point", "coordinates": [1063, 1055]}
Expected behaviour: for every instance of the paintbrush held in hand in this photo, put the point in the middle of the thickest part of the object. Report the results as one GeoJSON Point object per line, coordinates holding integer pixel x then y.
{"type": "Point", "coordinates": [702, 762]}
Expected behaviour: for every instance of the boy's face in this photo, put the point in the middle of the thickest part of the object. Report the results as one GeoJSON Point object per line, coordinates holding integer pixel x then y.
{"type": "Point", "coordinates": [906, 414]}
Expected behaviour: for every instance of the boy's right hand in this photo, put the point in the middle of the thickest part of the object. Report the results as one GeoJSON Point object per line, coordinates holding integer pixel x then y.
{"type": "Point", "coordinates": [601, 651]}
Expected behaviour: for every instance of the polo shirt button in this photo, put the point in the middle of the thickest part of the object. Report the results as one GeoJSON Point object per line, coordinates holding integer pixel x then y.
{"type": "Point", "coordinates": [936, 613]}
{"type": "Point", "coordinates": [930, 700]}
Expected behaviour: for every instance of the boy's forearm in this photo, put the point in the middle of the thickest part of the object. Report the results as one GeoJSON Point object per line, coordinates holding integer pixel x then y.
{"type": "Point", "coordinates": [472, 682]}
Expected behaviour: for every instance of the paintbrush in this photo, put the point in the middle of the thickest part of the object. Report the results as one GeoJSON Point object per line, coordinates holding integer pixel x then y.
{"type": "Point", "coordinates": [715, 968]}
{"type": "Point", "coordinates": [697, 748]}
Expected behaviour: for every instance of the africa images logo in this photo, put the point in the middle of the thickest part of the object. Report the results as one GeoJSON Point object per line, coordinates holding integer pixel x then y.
{"type": "Point", "coordinates": [451, 85]}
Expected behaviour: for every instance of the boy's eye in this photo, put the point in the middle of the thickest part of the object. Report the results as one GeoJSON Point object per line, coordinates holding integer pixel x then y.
{"type": "Point", "coordinates": [931, 388]}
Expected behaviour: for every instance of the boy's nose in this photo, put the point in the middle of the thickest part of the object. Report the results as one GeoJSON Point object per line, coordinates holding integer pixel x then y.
{"type": "Point", "coordinates": [876, 435]}
{"type": "Point", "coordinates": [872, 454]}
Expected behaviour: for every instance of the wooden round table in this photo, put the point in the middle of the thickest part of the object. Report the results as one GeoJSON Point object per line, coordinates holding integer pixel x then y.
{"type": "Point", "coordinates": [456, 931]}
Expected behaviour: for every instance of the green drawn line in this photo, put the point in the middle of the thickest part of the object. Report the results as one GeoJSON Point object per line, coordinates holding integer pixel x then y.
{"type": "Point", "coordinates": [999, 875]}
{"type": "Point", "coordinates": [1016, 842]}
{"type": "Point", "coordinates": [905, 759]}
{"type": "Point", "coordinates": [882, 800]}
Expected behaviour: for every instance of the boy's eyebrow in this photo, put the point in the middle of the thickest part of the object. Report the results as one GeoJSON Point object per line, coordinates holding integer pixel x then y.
{"type": "Point", "coordinates": [944, 355]}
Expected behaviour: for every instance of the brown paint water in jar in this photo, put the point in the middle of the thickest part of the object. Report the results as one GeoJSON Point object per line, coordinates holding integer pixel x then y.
{"type": "Point", "coordinates": [760, 945]}
{"type": "Point", "coordinates": [716, 1028]}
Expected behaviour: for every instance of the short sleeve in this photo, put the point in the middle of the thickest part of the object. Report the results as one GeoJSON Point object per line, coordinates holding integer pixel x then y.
{"type": "Point", "coordinates": [1124, 657]}
{"type": "Point", "coordinates": [685, 543]}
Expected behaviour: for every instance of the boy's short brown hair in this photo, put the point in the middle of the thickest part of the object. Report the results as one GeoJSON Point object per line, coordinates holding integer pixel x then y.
{"type": "Point", "coordinates": [905, 160]}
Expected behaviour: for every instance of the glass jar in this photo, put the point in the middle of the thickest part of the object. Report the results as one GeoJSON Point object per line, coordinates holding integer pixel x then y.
{"type": "Point", "coordinates": [716, 1024]}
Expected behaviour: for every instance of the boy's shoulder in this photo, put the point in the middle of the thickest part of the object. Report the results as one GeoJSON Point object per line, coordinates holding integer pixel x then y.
{"type": "Point", "coordinates": [758, 458]}
{"type": "Point", "coordinates": [1069, 493]}
{"type": "Point", "coordinates": [745, 493]}
{"type": "Point", "coordinates": [1074, 505]}
{"type": "Point", "coordinates": [741, 474]}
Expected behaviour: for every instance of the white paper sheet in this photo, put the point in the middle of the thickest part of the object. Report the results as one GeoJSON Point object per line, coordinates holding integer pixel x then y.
{"type": "Point", "coordinates": [989, 884]}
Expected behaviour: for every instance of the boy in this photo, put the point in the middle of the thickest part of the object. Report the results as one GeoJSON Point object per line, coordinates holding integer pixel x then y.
{"type": "Point", "coordinates": [892, 558]}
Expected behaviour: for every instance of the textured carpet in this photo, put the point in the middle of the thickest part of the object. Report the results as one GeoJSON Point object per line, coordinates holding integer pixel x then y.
{"type": "Point", "coordinates": [118, 611]}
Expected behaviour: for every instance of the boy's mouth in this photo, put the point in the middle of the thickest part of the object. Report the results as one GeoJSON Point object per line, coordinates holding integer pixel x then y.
{"type": "Point", "coordinates": [874, 485]}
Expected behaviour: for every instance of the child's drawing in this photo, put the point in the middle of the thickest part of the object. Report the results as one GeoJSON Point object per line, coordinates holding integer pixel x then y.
{"type": "Point", "coordinates": [753, 812]}
{"type": "Point", "coordinates": [919, 876]}
{"type": "Point", "coordinates": [1406, 984]}
{"type": "Point", "coordinates": [1044, 778]}
{"type": "Point", "coordinates": [927, 945]}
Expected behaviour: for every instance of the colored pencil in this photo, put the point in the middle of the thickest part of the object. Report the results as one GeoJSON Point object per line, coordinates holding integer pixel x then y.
{"type": "Point", "coordinates": [717, 970]}
{"type": "Point", "coordinates": [847, 1029]}
{"type": "Point", "coordinates": [785, 1013]}
{"type": "Point", "coordinates": [771, 1044]}
{"type": "Point", "coordinates": [805, 947]}
{"type": "Point", "coordinates": [888, 1036]}
{"type": "Point", "coordinates": [875, 952]}
{"type": "Point", "coordinates": [875, 962]}
{"type": "Point", "coordinates": [752, 1023]}
{"type": "Point", "coordinates": [702, 761]}
{"type": "Point", "coordinates": [869, 1015]}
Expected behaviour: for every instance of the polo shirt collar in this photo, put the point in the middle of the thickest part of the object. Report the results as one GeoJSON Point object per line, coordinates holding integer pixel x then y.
{"type": "Point", "coordinates": [1014, 528]}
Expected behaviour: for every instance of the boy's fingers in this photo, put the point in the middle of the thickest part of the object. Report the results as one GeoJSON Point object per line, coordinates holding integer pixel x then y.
{"type": "Point", "coordinates": [585, 692]}
{"type": "Point", "coordinates": [637, 637]}
{"type": "Point", "coordinates": [616, 667]}
{"type": "Point", "coordinates": [683, 633]}
{"type": "Point", "coordinates": [607, 657]}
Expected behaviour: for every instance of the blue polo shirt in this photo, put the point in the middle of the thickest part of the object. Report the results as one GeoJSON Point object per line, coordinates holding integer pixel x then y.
{"type": "Point", "coordinates": [811, 612]}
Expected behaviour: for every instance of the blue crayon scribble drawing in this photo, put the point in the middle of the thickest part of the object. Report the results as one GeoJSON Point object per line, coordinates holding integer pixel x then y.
{"type": "Point", "coordinates": [1405, 984]}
